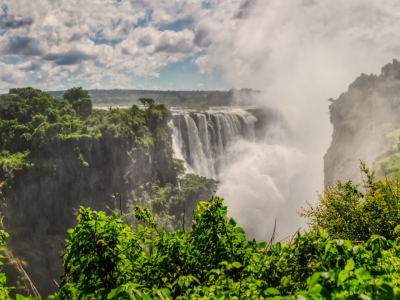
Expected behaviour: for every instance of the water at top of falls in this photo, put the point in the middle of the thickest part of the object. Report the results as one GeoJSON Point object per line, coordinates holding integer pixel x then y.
{"type": "Point", "coordinates": [201, 138]}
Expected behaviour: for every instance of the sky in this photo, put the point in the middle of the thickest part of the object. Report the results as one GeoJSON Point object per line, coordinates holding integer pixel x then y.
{"type": "Point", "coordinates": [192, 44]}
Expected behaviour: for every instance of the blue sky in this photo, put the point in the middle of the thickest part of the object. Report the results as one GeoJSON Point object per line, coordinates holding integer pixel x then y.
{"type": "Point", "coordinates": [105, 44]}
{"type": "Point", "coordinates": [194, 44]}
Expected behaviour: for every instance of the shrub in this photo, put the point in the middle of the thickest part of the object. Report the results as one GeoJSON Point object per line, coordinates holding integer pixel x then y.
{"type": "Point", "coordinates": [104, 259]}
{"type": "Point", "coordinates": [357, 211]}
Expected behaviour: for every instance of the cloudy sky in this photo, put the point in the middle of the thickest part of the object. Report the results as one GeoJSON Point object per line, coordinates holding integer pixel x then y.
{"type": "Point", "coordinates": [195, 44]}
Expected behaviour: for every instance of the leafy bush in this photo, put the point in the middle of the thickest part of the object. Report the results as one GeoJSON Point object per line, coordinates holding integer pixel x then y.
{"type": "Point", "coordinates": [357, 211]}
{"type": "Point", "coordinates": [214, 260]}
{"type": "Point", "coordinates": [173, 204]}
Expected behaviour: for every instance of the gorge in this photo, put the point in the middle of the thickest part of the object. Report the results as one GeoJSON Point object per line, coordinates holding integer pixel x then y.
{"type": "Point", "coordinates": [58, 155]}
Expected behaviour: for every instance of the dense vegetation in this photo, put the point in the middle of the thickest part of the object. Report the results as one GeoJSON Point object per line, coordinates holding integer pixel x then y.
{"type": "Point", "coordinates": [56, 155]}
{"type": "Point", "coordinates": [105, 258]}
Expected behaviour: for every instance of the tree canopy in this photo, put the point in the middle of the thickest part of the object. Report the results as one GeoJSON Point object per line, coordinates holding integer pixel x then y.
{"type": "Point", "coordinates": [75, 94]}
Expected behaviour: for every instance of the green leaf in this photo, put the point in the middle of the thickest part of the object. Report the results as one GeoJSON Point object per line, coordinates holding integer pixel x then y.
{"type": "Point", "coordinates": [272, 291]}
{"type": "Point", "coordinates": [348, 244]}
{"type": "Point", "coordinates": [19, 297]}
{"type": "Point", "coordinates": [385, 292]}
{"type": "Point", "coordinates": [350, 265]}
{"type": "Point", "coordinates": [262, 245]}
{"type": "Point", "coordinates": [241, 238]}
{"type": "Point", "coordinates": [162, 293]}
{"type": "Point", "coordinates": [239, 230]}
{"type": "Point", "coordinates": [148, 241]}
{"type": "Point", "coordinates": [314, 279]}
{"type": "Point", "coordinates": [232, 222]}
{"type": "Point", "coordinates": [278, 248]}
{"type": "Point", "coordinates": [114, 292]}
{"type": "Point", "coordinates": [140, 228]}
{"type": "Point", "coordinates": [362, 274]}
{"type": "Point", "coordinates": [256, 257]}
{"type": "Point", "coordinates": [70, 231]}
{"type": "Point", "coordinates": [146, 297]}
{"type": "Point", "coordinates": [161, 258]}
{"type": "Point", "coordinates": [236, 264]}
{"type": "Point", "coordinates": [343, 275]}
{"type": "Point", "coordinates": [315, 291]}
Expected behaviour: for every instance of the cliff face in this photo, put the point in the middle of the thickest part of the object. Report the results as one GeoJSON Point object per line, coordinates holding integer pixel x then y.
{"type": "Point", "coordinates": [46, 174]}
{"type": "Point", "coordinates": [362, 118]}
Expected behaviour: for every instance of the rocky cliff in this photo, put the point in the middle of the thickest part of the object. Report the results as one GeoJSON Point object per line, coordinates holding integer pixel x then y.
{"type": "Point", "coordinates": [365, 120]}
{"type": "Point", "coordinates": [54, 160]}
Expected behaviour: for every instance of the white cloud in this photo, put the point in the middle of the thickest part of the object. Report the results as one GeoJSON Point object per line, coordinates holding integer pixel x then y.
{"type": "Point", "coordinates": [96, 86]}
{"type": "Point", "coordinates": [96, 33]}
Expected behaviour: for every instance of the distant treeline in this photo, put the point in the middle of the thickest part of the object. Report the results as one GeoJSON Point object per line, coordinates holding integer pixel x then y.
{"type": "Point", "coordinates": [170, 98]}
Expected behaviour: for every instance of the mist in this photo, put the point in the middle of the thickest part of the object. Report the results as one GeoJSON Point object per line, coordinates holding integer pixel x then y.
{"type": "Point", "coordinates": [300, 54]}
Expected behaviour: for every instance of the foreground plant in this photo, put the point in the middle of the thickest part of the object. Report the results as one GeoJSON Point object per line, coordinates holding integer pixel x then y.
{"type": "Point", "coordinates": [106, 260]}
{"type": "Point", "coordinates": [357, 211]}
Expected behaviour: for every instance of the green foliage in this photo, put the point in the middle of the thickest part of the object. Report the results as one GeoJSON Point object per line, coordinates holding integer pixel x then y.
{"type": "Point", "coordinates": [83, 107]}
{"type": "Point", "coordinates": [37, 120]}
{"type": "Point", "coordinates": [75, 94]}
{"type": "Point", "coordinates": [14, 107]}
{"type": "Point", "coordinates": [214, 260]}
{"type": "Point", "coordinates": [6, 132]}
{"type": "Point", "coordinates": [10, 163]}
{"type": "Point", "coordinates": [40, 105]}
{"type": "Point", "coordinates": [173, 204]}
{"type": "Point", "coordinates": [30, 120]}
{"type": "Point", "coordinates": [147, 102]}
{"type": "Point", "coordinates": [29, 93]}
{"type": "Point", "coordinates": [356, 212]}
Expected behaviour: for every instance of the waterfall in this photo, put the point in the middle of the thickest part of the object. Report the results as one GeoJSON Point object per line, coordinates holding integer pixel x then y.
{"type": "Point", "coordinates": [201, 139]}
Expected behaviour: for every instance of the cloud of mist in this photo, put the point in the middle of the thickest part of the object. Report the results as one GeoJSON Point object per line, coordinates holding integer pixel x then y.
{"type": "Point", "coordinates": [257, 183]}
{"type": "Point", "coordinates": [300, 53]}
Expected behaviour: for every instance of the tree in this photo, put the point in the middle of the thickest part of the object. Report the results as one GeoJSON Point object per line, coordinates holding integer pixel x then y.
{"type": "Point", "coordinates": [76, 93]}
{"type": "Point", "coordinates": [147, 102]}
{"type": "Point", "coordinates": [83, 107]}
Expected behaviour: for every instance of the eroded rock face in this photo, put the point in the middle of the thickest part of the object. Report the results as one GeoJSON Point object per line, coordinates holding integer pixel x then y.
{"type": "Point", "coordinates": [361, 118]}
{"type": "Point", "coordinates": [42, 203]}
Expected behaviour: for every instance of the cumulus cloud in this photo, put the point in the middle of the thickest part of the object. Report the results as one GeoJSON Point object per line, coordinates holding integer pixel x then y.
{"type": "Point", "coordinates": [71, 57]}
{"type": "Point", "coordinates": [96, 86]}
{"type": "Point", "coordinates": [26, 46]}
{"type": "Point", "coordinates": [14, 21]}
{"type": "Point", "coordinates": [120, 36]}
{"type": "Point", "coordinates": [175, 42]}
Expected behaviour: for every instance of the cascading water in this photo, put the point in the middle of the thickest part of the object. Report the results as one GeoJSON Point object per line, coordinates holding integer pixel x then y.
{"type": "Point", "coordinates": [201, 139]}
{"type": "Point", "coordinates": [251, 152]}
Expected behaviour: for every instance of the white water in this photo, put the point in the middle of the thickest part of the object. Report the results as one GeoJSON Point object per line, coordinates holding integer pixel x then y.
{"type": "Point", "coordinates": [260, 179]}
{"type": "Point", "coordinates": [202, 139]}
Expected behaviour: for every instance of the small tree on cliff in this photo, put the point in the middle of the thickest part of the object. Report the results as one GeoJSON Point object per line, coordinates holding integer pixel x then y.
{"type": "Point", "coordinates": [147, 102]}
{"type": "Point", "coordinates": [75, 94]}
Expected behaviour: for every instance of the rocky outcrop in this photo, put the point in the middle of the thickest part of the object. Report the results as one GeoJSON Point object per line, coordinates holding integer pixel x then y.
{"type": "Point", "coordinates": [42, 201]}
{"type": "Point", "coordinates": [361, 118]}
